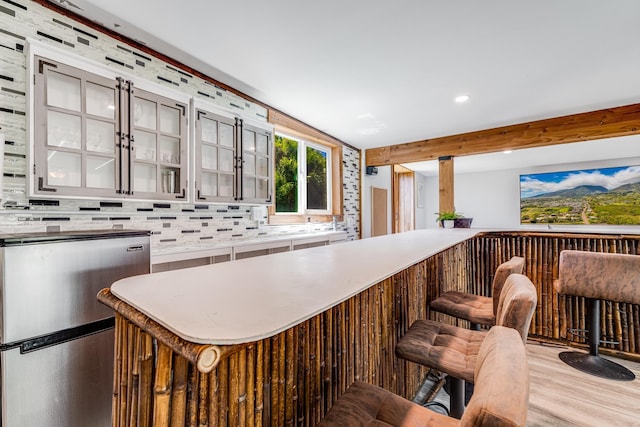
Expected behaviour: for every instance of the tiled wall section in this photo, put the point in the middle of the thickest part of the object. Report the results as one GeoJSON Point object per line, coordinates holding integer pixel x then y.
{"type": "Point", "coordinates": [171, 224]}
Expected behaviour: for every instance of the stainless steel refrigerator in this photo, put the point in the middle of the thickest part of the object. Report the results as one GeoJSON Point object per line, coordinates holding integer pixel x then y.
{"type": "Point", "coordinates": [56, 342]}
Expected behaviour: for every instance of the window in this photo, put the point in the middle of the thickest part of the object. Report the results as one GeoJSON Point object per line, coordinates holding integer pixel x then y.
{"type": "Point", "coordinates": [299, 161]}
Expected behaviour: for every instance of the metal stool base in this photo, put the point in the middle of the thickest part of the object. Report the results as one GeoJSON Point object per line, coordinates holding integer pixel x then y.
{"type": "Point", "coordinates": [596, 365]}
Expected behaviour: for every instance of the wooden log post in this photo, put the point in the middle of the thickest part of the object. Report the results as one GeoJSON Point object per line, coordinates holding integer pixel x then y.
{"type": "Point", "coordinates": [445, 184]}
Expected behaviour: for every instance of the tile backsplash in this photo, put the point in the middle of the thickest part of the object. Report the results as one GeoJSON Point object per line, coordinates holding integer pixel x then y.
{"type": "Point", "coordinates": [171, 224]}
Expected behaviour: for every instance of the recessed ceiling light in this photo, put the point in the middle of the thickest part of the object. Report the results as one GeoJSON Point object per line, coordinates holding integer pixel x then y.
{"type": "Point", "coordinates": [462, 98]}
{"type": "Point", "coordinates": [507, 151]}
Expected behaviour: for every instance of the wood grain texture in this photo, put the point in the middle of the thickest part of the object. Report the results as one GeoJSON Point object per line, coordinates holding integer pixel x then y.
{"type": "Point", "coordinates": [607, 123]}
{"type": "Point", "coordinates": [445, 185]}
{"type": "Point", "coordinates": [287, 124]}
{"type": "Point", "coordinates": [563, 396]}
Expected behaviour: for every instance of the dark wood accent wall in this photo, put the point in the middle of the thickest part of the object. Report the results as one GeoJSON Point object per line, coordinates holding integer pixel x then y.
{"type": "Point", "coordinates": [607, 123]}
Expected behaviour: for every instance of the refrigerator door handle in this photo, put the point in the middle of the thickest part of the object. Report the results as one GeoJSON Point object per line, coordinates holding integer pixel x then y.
{"type": "Point", "coordinates": [44, 341]}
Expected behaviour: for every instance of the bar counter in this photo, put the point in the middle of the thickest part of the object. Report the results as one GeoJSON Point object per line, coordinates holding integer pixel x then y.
{"type": "Point", "coordinates": [274, 340]}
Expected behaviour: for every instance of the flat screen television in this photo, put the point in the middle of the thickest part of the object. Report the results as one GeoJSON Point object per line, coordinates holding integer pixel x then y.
{"type": "Point", "coordinates": [588, 196]}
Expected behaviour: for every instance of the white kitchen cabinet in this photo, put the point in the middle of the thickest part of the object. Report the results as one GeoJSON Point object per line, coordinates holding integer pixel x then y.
{"type": "Point", "coordinates": [190, 258]}
{"type": "Point", "coordinates": [233, 157]}
{"type": "Point", "coordinates": [251, 250]}
{"type": "Point", "coordinates": [98, 134]}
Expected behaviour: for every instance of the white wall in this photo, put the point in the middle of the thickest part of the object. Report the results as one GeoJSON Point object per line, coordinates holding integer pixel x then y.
{"type": "Point", "coordinates": [381, 180]}
{"type": "Point", "coordinates": [492, 199]}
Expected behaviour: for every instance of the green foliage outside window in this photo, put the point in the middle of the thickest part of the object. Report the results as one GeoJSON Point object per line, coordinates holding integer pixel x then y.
{"type": "Point", "coordinates": [316, 179]}
{"type": "Point", "coordinates": [286, 176]}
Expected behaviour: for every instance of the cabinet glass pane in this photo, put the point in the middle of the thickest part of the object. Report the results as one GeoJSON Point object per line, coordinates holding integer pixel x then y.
{"type": "Point", "coordinates": [169, 149]}
{"type": "Point", "coordinates": [225, 187]}
{"type": "Point", "coordinates": [144, 113]}
{"type": "Point", "coordinates": [226, 160]}
{"type": "Point", "coordinates": [262, 144]}
{"type": "Point", "coordinates": [248, 140]}
{"type": "Point", "coordinates": [225, 135]}
{"type": "Point", "coordinates": [169, 180]}
{"type": "Point", "coordinates": [209, 130]}
{"type": "Point", "coordinates": [263, 189]}
{"type": "Point", "coordinates": [249, 164]}
{"type": "Point", "coordinates": [101, 101]}
{"type": "Point", "coordinates": [209, 184]}
{"type": "Point", "coordinates": [144, 177]}
{"type": "Point", "coordinates": [63, 91]}
{"type": "Point", "coordinates": [169, 120]}
{"type": "Point", "coordinates": [263, 167]}
{"type": "Point", "coordinates": [63, 130]}
{"type": "Point", "coordinates": [101, 172]}
{"type": "Point", "coordinates": [145, 145]}
{"type": "Point", "coordinates": [63, 168]}
{"type": "Point", "coordinates": [209, 157]}
{"type": "Point", "coordinates": [100, 136]}
{"type": "Point", "coordinates": [249, 188]}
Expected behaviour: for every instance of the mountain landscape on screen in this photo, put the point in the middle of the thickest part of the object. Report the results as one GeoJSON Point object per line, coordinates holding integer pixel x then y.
{"type": "Point", "coordinates": [591, 196]}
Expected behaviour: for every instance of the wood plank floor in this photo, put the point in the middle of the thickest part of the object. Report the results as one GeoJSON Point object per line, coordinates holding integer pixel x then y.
{"type": "Point", "coordinates": [563, 396]}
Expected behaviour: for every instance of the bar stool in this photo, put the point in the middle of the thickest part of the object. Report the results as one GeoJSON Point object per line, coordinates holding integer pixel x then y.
{"type": "Point", "coordinates": [598, 276]}
{"type": "Point", "coordinates": [501, 396]}
{"type": "Point", "coordinates": [453, 350]}
{"type": "Point", "coordinates": [478, 309]}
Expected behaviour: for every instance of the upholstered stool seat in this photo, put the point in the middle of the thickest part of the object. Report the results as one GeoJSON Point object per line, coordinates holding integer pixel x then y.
{"type": "Point", "coordinates": [500, 398]}
{"type": "Point", "coordinates": [445, 347]}
{"type": "Point", "coordinates": [478, 309]}
{"type": "Point", "coordinates": [453, 350]}
{"type": "Point", "coordinates": [596, 276]}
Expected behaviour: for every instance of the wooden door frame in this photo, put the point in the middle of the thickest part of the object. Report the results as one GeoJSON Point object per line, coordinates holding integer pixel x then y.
{"type": "Point", "coordinates": [396, 192]}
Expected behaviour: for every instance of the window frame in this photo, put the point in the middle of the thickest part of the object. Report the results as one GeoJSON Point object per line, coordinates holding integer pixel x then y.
{"type": "Point", "coordinates": [302, 154]}
{"type": "Point", "coordinates": [334, 182]}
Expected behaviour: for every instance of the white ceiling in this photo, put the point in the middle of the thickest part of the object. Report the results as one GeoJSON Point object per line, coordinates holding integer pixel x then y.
{"type": "Point", "coordinates": [381, 72]}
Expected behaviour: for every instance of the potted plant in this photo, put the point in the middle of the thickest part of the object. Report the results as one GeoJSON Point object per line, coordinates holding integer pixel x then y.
{"type": "Point", "coordinates": [453, 219]}
{"type": "Point", "coordinates": [447, 219]}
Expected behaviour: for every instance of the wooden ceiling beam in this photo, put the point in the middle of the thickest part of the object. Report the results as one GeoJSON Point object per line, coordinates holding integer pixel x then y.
{"type": "Point", "coordinates": [607, 123]}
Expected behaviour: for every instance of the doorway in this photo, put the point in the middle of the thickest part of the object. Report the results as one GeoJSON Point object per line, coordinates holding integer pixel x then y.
{"type": "Point", "coordinates": [403, 199]}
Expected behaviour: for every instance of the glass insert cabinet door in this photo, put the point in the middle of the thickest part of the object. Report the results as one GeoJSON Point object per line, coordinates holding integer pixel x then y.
{"type": "Point", "coordinates": [216, 159]}
{"type": "Point", "coordinates": [233, 159]}
{"type": "Point", "coordinates": [103, 137]}
{"type": "Point", "coordinates": [158, 146]}
{"type": "Point", "coordinates": [257, 159]}
{"type": "Point", "coordinates": [77, 121]}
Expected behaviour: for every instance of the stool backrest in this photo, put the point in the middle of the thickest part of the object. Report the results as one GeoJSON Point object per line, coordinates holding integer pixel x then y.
{"type": "Point", "coordinates": [504, 270]}
{"type": "Point", "coordinates": [518, 301]}
{"type": "Point", "coordinates": [613, 277]}
{"type": "Point", "coordinates": [501, 390]}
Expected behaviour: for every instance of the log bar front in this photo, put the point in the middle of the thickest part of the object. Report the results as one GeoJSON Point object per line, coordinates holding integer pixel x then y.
{"type": "Point", "coordinates": [275, 340]}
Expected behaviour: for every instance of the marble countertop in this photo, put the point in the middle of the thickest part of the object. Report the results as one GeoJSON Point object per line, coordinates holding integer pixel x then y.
{"type": "Point", "coordinates": [255, 298]}
{"type": "Point", "coordinates": [244, 242]}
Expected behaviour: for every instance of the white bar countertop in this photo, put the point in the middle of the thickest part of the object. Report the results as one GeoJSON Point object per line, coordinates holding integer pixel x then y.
{"type": "Point", "coordinates": [251, 299]}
